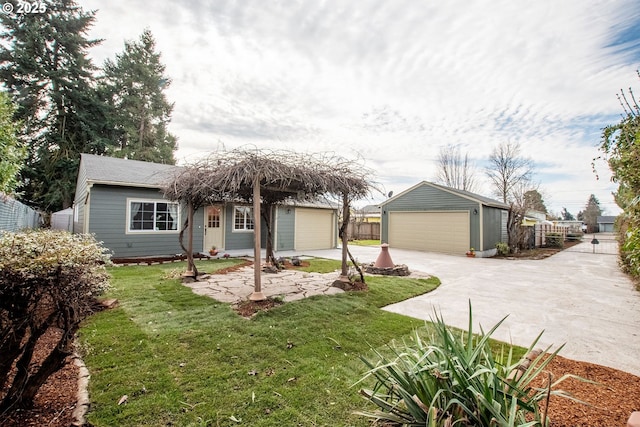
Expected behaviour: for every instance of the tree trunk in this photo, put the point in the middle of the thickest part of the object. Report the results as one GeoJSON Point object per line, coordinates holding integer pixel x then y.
{"type": "Point", "coordinates": [10, 349]}
{"type": "Point", "coordinates": [191, 265]}
{"type": "Point", "coordinates": [267, 215]}
{"type": "Point", "coordinates": [13, 398]}
{"type": "Point", "coordinates": [25, 387]}
{"type": "Point", "coordinates": [346, 216]}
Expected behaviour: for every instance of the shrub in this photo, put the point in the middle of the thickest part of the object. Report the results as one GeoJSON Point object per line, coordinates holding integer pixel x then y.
{"type": "Point", "coordinates": [554, 240]}
{"type": "Point", "coordinates": [457, 381]}
{"type": "Point", "coordinates": [502, 248]}
{"type": "Point", "coordinates": [47, 278]}
{"type": "Point", "coordinates": [575, 236]}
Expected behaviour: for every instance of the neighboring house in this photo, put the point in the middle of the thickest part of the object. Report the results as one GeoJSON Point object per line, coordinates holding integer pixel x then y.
{"type": "Point", "coordinates": [532, 217]}
{"type": "Point", "coordinates": [368, 213]}
{"type": "Point", "coordinates": [606, 223]}
{"type": "Point", "coordinates": [120, 201]}
{"type": "Point", "coordinates": [572, 225]}
{"type": "Point", "coordinates": [434, 218]}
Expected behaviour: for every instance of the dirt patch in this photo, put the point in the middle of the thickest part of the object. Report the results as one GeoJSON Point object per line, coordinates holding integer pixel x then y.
{"type": "Point", "coordinates": [251, 308]}
{"type": "Point", "coordinates": [355, 285]}
{"type": "Point", "coordinates": [538, 253]}
{"type": "Point", "coordinates": [233, 268]}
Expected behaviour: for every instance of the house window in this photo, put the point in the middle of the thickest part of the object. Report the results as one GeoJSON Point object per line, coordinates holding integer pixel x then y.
{"type": "Point", "coordinates": [152, 216]}
{"type": "Point", "coordinates": [242, 218]}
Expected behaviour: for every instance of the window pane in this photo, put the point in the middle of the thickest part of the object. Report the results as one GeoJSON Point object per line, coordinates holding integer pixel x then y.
{"type": "Point", "coordinates": [238, 218]}
{"type": "Point", "coordinates": [242, 218]}
{"type": "Point", "coordinates": [150, 216]}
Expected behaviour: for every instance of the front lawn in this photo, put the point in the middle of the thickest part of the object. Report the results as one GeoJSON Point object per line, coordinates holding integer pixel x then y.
{"type": "Point", "coordinates": [375, 242]}
{"type": "Point", "coordinates": [187, 360]}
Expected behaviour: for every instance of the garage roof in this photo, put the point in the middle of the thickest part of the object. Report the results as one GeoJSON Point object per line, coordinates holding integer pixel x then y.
{"type": "Point", "coordinates": [486, 201]}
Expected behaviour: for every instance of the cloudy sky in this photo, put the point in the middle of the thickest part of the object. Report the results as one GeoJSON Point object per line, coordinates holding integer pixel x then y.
{"type": "Point", "coordinates": [392, 81]}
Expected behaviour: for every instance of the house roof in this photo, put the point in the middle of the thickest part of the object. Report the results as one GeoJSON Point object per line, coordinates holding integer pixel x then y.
{"type": "Point", "coordinates": [134, 173]}
{"type": "Point", "coordinates": [371, 209]}
{"type": "Point", "coordinates": [466, 194]}
{"type": "Point", "coordinates": [606, 219]}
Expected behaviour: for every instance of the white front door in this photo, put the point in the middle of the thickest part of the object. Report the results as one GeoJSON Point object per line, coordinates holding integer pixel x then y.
{"type": "Point", "coordinates": [213, 228]}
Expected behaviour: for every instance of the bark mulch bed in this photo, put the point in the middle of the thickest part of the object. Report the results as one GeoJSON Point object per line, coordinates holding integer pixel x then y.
{"type": "Point", "coordinates": [538, 253]}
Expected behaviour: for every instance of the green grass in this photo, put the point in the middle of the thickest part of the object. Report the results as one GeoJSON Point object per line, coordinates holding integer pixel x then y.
{"type": "Point", "coordinates": [365, 242]}
{"type": "Point", "coordinates": [188, 360]}
{"type": "Point", "coordinates": [322, 265]}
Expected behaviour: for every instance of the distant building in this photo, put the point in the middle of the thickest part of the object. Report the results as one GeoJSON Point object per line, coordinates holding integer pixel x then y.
{"type": "Point", "coordinates": [369, 213]}
{"type": "Point", "coordinates": [606, 224]}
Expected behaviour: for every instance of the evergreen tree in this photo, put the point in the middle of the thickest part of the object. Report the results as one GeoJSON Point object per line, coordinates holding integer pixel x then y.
{"type": "Point", "coordinates": [45, 68]}
{"type": "Point", "coordinates": [12, 152]}
{"type": "Point", "coordinates": [533, 200]}
{"type": "Point", "coordinates": [566, 215]}
{"type": "Point", "coordinates": [139, 112]}
{"type": "Point", "coordinates": [590, 214]}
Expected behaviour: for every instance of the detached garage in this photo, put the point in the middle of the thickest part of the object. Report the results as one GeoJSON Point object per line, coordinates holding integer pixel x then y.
{"type": "Point", "coordinates": [434, 218]}
{"type": "Point", "coordinates": [314, 229]}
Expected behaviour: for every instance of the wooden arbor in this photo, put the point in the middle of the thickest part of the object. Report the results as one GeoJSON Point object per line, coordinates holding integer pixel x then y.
{"type": "Point", "coordinates": [266, 178]}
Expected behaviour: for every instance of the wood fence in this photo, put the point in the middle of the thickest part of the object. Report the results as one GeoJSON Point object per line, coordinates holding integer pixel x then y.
{"type": "Point", "coordinates": [363, 230]}
{"type": "Point", "coordinates": [541, 231]}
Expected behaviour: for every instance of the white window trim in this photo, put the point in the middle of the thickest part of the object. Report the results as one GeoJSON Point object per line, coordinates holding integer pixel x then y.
{"type": "Point", "coordinates": [233, 219]}
{"type": "Point", "coordinates": [154, 232]}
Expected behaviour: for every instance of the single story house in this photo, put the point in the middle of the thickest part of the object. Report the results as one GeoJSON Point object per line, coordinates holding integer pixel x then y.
{"type": "Point", "coordinates": [434, 218]}
{"type": "Point", "coordinates": [368, 213]}
{"type": "Point", "coordinates": [606, 223]}
{"type": "Point", "coordinates": [121, 203]}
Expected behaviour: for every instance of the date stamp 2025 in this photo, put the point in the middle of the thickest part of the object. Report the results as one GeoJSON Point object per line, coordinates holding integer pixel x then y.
{"type": "Point", "coordinates": [24, 7]}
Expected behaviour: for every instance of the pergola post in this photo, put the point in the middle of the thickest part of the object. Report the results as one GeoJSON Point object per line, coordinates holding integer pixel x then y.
{"type": "Point", "coordinates": [257, 294]}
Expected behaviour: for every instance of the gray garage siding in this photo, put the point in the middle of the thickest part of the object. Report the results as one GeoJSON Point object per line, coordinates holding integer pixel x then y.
{"type": "Point", "coordinates": [426, 198]}
{"type": "Point", "coordinates": [79, 202]}
{"type": "Point", "coordinates": [286, 228]}
{"type": "Point", "coordinates": [108, 221]}
{"type": "Point", "coordinates": [492, 219]}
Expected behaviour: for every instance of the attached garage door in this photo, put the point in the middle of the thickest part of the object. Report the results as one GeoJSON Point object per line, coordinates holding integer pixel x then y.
{"type": "Point", "coordinates": [314, 229]}
{"type": "Point", "coordinates": [446, 232]}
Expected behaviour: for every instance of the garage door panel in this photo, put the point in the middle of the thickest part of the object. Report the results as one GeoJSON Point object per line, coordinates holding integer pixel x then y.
{"type": "Point", "coordinates": [314, 229]}
{"type": "Point", "coordinates": [446, 232]}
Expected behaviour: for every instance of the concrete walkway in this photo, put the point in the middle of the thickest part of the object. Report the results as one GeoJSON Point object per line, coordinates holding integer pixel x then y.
{"type": "Point", "coordinates": [577, 297]}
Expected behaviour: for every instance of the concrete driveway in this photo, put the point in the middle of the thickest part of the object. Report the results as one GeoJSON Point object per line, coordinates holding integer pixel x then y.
{"type": "Point", "coordinates": [577, 297]}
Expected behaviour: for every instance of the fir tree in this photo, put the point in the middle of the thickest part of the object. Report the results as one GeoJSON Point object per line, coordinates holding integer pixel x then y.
{"type": "Point", "coordinates": [139, 112]}
{"type": "Point", "coordinates": [45, 68]}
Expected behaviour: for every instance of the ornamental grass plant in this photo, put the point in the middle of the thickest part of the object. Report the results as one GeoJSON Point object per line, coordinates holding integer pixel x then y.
{"type": "Point", "coordinates": [455, 378]}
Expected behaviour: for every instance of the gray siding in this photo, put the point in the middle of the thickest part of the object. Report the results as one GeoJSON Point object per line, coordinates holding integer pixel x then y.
{"type": "Point", "coordinates": [108, 221]}
{"type": "Point", "coordinates": [235, 239]}
{"type": "Point", "coordinates": [492, 226]}
{"type": "Point", "coordinates": [427, 198]}
{"type": "Point", "coordinates": [286, 228]}
{"type": "Point", "coordinates": [80, 200]}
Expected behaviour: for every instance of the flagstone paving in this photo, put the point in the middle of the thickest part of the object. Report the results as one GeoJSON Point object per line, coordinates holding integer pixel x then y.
{"type": "Point", "coordinates": [291, 285]}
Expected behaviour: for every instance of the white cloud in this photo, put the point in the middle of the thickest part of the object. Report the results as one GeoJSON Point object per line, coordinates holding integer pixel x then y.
{"type": "Point", "coordinates": [393, 80]}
